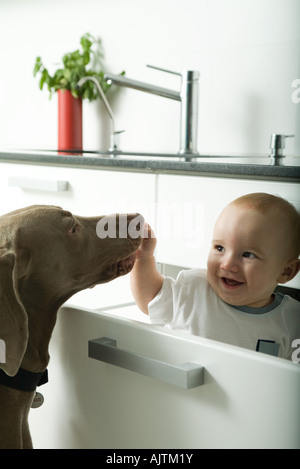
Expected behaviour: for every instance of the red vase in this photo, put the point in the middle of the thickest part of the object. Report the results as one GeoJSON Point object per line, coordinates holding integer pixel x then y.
{"type": "Point", "coordinates": [69, 121]}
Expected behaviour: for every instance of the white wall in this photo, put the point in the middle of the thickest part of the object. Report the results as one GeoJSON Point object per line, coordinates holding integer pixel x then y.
{"type": "Point", "coordinates": [246, 50]}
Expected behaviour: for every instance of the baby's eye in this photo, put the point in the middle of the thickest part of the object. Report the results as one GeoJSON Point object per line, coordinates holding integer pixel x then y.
{"type": "Point", "coordinates": [219, 248]}
{"type": "Point", "coordinates": [249, 255]}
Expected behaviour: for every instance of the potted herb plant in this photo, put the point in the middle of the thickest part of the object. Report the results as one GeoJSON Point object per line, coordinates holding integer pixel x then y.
{"type": "Point", "coordinates": [75, 65]}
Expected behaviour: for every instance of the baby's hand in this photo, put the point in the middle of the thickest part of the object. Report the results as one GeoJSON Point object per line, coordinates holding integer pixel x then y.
{"type": "Point", "coordinates": [148, 245]}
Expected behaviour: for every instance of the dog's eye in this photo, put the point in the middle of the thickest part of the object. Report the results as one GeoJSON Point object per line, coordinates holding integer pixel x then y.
{"type": "Point", "coordinates": [73, 229]}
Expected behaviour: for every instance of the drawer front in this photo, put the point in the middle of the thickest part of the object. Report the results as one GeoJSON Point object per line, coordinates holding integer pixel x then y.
{"type": "Point", "coordinates": [85, 192]}
{"type": "Point", "coordinates": [248, 399]}
{"type": "Point", "coordinates": [189, 206]}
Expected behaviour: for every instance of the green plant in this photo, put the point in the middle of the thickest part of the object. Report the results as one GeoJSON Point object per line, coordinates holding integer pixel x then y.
{"type": "Point", "coordinates": [75, 67]}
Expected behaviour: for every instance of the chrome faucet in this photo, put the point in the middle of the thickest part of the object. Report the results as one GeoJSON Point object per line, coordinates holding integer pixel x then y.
{"type": "Point", "coordinates": [188, 96]}
{"type": "Point", "coordinates": [114, 134]}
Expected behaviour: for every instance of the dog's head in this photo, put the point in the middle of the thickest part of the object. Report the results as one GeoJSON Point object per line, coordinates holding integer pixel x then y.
{"type": "Point", "coordinates": [46, 255]}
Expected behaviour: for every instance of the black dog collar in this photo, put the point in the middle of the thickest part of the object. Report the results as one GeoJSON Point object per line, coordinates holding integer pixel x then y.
{"type": "Point", "coordinates": [24, 380]}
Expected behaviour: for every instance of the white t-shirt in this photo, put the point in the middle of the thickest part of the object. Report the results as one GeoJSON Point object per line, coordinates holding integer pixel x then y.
{"type": "Point", "coordinates": [190, 304]}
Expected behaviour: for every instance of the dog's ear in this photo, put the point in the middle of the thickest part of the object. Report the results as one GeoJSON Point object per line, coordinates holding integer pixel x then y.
{"type": "Point", "coordinates": [13, 317]}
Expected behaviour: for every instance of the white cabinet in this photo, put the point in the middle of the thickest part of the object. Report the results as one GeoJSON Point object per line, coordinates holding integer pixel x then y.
{"type": "Point", "coordinates": [188, 207]}
{"type": "Point", "coordinates": [85, 192]}
{"type": "Point", "coordinates": [181, 209]}
{"type": "Point", "coordinates": [247, 401]}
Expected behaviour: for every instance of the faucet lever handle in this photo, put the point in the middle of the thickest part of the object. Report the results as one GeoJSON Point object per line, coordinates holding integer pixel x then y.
{"type": "Point", "coordinates": [278, 141]}
{"type": "Point", "coordinates": [163, 70]}
{"type": "Point", "coordinates": [287, 136]}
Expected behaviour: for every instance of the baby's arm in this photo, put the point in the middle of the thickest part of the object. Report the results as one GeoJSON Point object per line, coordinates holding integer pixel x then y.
{"type": "Point", "coordinates": [145, 280]}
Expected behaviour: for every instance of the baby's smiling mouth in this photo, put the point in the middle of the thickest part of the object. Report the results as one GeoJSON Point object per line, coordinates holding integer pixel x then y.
{"type": "Point", "coordinates": [230, 282]}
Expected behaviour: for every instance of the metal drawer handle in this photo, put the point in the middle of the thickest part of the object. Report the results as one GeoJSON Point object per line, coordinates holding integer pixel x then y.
{"type": "Point", "coordinates": [38, 184]}
{"type": "Point", "coordinates": [187, 375]}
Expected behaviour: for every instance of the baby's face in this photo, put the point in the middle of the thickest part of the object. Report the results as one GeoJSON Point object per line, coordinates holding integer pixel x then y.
{"type": "Point", "coordinates": [246, 257]}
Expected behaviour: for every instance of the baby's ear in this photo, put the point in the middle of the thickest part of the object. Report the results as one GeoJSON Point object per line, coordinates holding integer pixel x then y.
{"type": "Point", "coordinates": [290, 271]}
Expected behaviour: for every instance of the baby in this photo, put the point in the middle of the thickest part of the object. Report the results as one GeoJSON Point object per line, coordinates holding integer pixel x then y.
{"type": "Point", "coordinates": [255, 246]}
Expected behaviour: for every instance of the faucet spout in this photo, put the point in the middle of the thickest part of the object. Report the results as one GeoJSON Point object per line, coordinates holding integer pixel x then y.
{"type": "Point", "coordinates": [139, 85]}
{"type": "Point", "coordinates": [188, 97]}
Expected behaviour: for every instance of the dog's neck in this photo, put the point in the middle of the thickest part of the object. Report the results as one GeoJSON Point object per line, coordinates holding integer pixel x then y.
{"type": "Point", "coordinates": [41, 302]}
{"type": "Point", "coordinates": [41, 306]}
{"type": "Point", "coordinates": [41, 322]}
{"type": "Point", "coordinates": [40, 326]}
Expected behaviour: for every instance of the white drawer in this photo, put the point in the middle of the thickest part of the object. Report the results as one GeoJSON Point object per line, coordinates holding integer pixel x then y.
{"type": "Point", "coordinates": [85, 192]}
{"type": "Point", "coordinates": [189, 206]}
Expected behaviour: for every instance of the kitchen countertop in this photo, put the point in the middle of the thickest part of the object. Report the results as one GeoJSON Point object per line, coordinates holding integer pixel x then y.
{"type": "Point", "coordinates": [167, 164]}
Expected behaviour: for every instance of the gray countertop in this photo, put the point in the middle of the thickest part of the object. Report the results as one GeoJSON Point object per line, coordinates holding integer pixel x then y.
{"type": "Point", "coordinates": [166, 164]}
